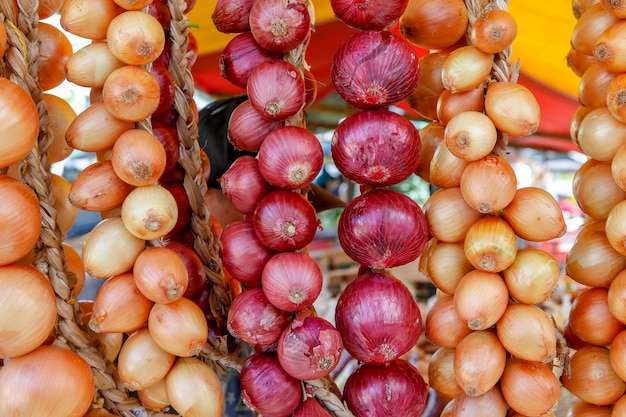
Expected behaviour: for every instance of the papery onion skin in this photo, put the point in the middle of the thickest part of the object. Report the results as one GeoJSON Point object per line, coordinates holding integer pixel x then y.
{"type": "Point", "coordinates": [150, 212]}
{"type": "Point", "coordinates": [20, 123]}
{"type": "Point", "coordinates": [533, 276]}
{"type": "Point", "coordinates": [193, 388]}
{"type": "Point", "coordinates": [491, 403]}
{"type": "Point", "coordinates": [99, 188]}
{"type": "Point", "coordinates": [434, 24]}
{"type": "Point", "coordinates": [445, 204]}
{"type": "Point", "coordinates": [378, 318]}
{"type": "Point", "coordinates": [267, 388]}
{"type": "Point", "coordinates": [232, 16]}
{"type": "Point", "coordinates": [480, 299]}
{"type": "Point", "coordinates": [589, 308]}
{"type": "Point", "coordinates": [160, 274]}
{"type": "Point", "coordinates": [253, 319]}
{"type": "Point", "coordinates": [247, 128]}
{"type": "Point", "coordinates": [512, 108]}
{"type": "Point", "coordinates": [382, 229]}
{"type": "Point", "coordinates": [499, 174]}
{"type": "Point", "coordinates": [309, 348]}
{"type": "Point", "coordinates": [276, 89]}
{"type": "Point", "coordinates": [290, 157]}
{"type": "Point", "coordinates": [196, 274]}
{"type": "Point", "coordinates": [135, 37]}
{"type": "Point", "coordinates": [292, 281]}
{"type": "Point", "coordinates": [376, 147]}
{"type": "Point", "coordinates": [284, 220]}
{"type": "Point", "coordinates": [374, 69]}
{"type": "Point", "coordinates": [394, 389]}
{"type": "Point", "coordinates": [243, 184]}
{"type": "Point", "coordinates": [523, 380]}
{"type": "Point", "coordinates": [242, 253]}
{"type": "Point", "coordinates": [430, 86]}
{"type": "Point", "coordinates": [240, 56]}
{"type": "Point", "coordinates": [54, 51]}
{"type": "Point", "coordinates": [279, 25]}
{"type": "Point", "coordinates": [441, 375]}
{"type": "Point", "coordinates": [479, 360]}
{"type": "Point", "coordinates": [364, 15]}
{"type": "Point", "coordinates": [442, 314]}
{"type": "Point", "coordinates": [310, 407]}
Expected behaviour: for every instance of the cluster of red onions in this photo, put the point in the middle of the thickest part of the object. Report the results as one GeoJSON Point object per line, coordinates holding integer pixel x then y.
{"type": "Point", "coordinates": [267, 250]}
{"type": "Point", "coordinates": [376, 314]}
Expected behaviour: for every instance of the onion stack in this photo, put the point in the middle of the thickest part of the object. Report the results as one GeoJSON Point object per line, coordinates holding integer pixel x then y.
{"type": "Point", "coordinates": [496, 344]}
{"type": "Point", "coordinates": [267, 251]}
{"type": "Point", "coordinates": [596, 261]}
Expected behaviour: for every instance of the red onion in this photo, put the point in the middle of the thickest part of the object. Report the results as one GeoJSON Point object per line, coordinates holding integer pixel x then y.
{"type": "Point", "coordinates": [310, 86]}
{"type": "Point", "coordinates": [376, 147]}
{"type": "Point", "coordinates": [311, 408]}
{"type": "Point", "coordinates": [374, 69]}
{"type": "Point", "coordinates": [284, 221]}
{"type": "Point", "coordinates": [309, 348]}
{"type": "Point", "coordinates": [160, 12]}
{"type": "Point", "coordinates": [232, 16]}
{"type": "Point", "coordinates": [253, 319]}
{"type": "Point", "coordinates": [290, 157]}
{"type": "Point", "coordinates": [266, 388]}
{"type": "Point", "coordinates": [240, 56]}
{"type": "Point", "coordinates": [195, 269]}
{"type": "Point", "coordinates": [280, 25]}
{"type": "Point", "coordinates": [247, 128]}
{"type": "Point", "coordinates": [382, 228]}
{"type": "Point", "coordinates": [192, 50]}
{"type": "Point", "coordinates": [378, 318]}
{"type": "Point", "coordinates": [396, 389]}
{"type": "Point", "coordinates": [243, 185]}
{"type": "Point", "coordinates": [292, 281]}
{"type": "Point", "coordinates": [182, 203]}
{"type": "Point", "coordinates": [276, 89]}
{"type": "Point", "coordinates": [369, 14]}
{"type": "Point", "coordinates": [166, 84]}
{"type": "Point", "coordinates": [168, 136]}
{"type": "Point", "coordinates": [243, 254]}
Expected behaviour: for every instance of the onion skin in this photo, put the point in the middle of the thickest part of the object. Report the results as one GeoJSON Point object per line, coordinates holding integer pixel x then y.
{"type": "Point", "coordinates": [512, 108]}
{"type": "Point", "coordinates": [443, 315]}
{"type": "Point", "coordinates": [382, 229]}
{"type": "Point", "coordinates": [405, 390]}
{"type": "Point", "coordinates": [240, 56]}
{"type": "Point", "coordinates": [533, 276]}
{"type": "Point", "coordinates": [492, 403]}
{"type": "Point", "coordinates": [480, 299]}
{"type": "Point", "coordinates": [99, 188]}
{"type": "Point", "coordinates": [441, 375]}
{"type": "Point", "coordinates": [434, 24]}
{"type": "Point", "coordinates": [242, 253]}
{"type": "Point", "coordinates": [499, 174]}
{"type": "Point", "coordinates": [232, 16]}
{"type": "Point", "coordinates": [243, 184]}
{"type": "Point", "coordinates": [479, 360]}
{"type": "Point", "coordinates": [523, 380]}
{"type": "Point", "coordinates": [448, 215]}
{"type": "Point", "coordinates": [247, 128]}
{"type": "Point", "coordinates": [490, 244]}
{"type": "Point", "coordinates": [374, 69]}
{"type": "Point", "coordinates": [425, 97]}
{"type": "Point", "coordinates": [280, 25]}
{"type": "Point", "coordinates": [20, 123]}
{"type": "Point", "coordinates": [368, 15]}
{"type": "Point", "coordinates": [194, 388]}
{"type": "Point", "coordinates": [589, 308]}
{"type": "Point", "coordinates": [378, 318]}
{"type": "Point", "coordinates": [54, 51]}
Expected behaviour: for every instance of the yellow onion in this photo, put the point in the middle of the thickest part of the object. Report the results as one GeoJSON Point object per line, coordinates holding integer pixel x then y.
{"type": "Point", "coordinates": [131, 93]}
{"type": "Point", "coordinates": [75, 266]}
{"type": "Point", "coordinates": [615, 7]}
{"type": "Point", "coordinates": [594, 86]}
{"type": "Point", "coordinates": [470, 135]}
{"type": "Point", "coordinates": [154, 397]}
{"type": "Point", "coordinates": [610, 49]}
{"type": "Point", "coordinates": [530, 388]}
{"type": "Point", "coordinates": [493, 31]}
{"type": "Point", "coordinates": [119, 306]}
{"type": "Point", "coordinates": [138, 157]}
{"type": "Point", "coordinates": [194, 389]}
{"type": "Point", "coordinates": [434, 24]}
{"type": "Point", "coordinates": [446, 265]}
{"type": "Point", "coordinates": [98, 188]}
{"type": "Point", "coordinates": [179, 327]}
{"type": "Point", "coordinates": [618, 167]}
{"type": "Point", "coordinates": [578, 62]}
{"type": "Point", "coordinates": [615, 227]}
{"type": "Point", "coordinates": [479, 361]}
{"type": "Point", "coordinates": [512, 108]}
{"type": "Point", "coordinates": [20, 123]}
{"type": "Point", "coordinates": [160, 274]}
{"type": "Point", "coordinates": [110, 240]}
{"type": "Point", "coordinates": [480, 299]}
{"type": "Point", "coordinates": [20, 220]}
{"type": "Point", "coordinates": [27, 309]}
{"type": "Point", "coordinates": [580, 6]}
{"type": "Point", "coordinates": [450, 104]}
{"type": "Point", "coordinates": [446, 169]}
{"type": "Point", "coordinates": [466, 68]}
{"type": "Point", "coordinates": [577, 118]}
{"type": "Point", "coordinates": [442, 315]}
{"type": "Point", "coordinates": [589, 26]}
{"type": "Point", "coordinates": [589, 308]}
{"type": "Point", "coordinates": [600, 135]}
{"type": "Point", "coordinates": [66, 211]}
{"type": "Point", "coordinates": [527, 332]}
{"type": "Point", "coordinates": [431, 135]}
{"type": "Point", "coordinates": [430, 86]}
{"type": "Point", "coordinates": [99, 412]}
{"type": "Point", "coordinates": [488, 184]}
{"type": "Point", "coordinates": [95, 129]}
{"type": "Point", "coordinates": [584, 409]}
{"type": "Point", "coordinates": [592, 261]}
{"type": "Point", "coordinates": [448, 215]}
{"type": "Point", "coordinates": [615, 97]}
{"type": "Point", "coordinates": [88, 18]}
{"type": "Point", "coordinates": [441, 376]}
{"type": "Point", "coordinates": [592, 378]}
{"type": "Point", "coordinates": [135, 37]}
{"type": "Point", "coordinates": [491, 403]}
{"type": "Point", "coordinates": [490, 244]}
{"type": "Point", "coordinates": [141, 362]}
{"type": "Point", "coordinates": [47, 8]}
{"type": "Point", "coordinates": [535, 215]}
{"type": "Point", "coordinates": [54, 51]}
{"type": "Point", "coordinates": [60, 116]}
{"type": "Point", "coordinates": [616, 297]}
{"type": "Point", "coordinates": [91, 65]}
{"type": "Point", "coordinates": [617, 354]}
{"type": "Point", "coordinates": [595, 190]}
{"type": "Point", "coordinates": [150, 212]}
{"type": "Point", "coordinates": [533, 276]}
{"type": "Point", "coordinates": [50, 381]}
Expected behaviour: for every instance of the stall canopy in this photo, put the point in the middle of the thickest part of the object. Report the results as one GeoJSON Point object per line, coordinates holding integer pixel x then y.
{"type": "Point", "coordinates": [543, 41]}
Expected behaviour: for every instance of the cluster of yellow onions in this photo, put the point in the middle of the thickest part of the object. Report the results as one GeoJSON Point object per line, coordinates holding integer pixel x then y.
{"type": "Point", "coordinates": [596, 324]}
{"type": "Point", "coordinates": [496, 344]}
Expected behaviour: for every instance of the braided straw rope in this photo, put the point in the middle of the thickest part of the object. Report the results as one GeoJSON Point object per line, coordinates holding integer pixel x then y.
{"type": "Point", "coordinates": [20, 66]}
